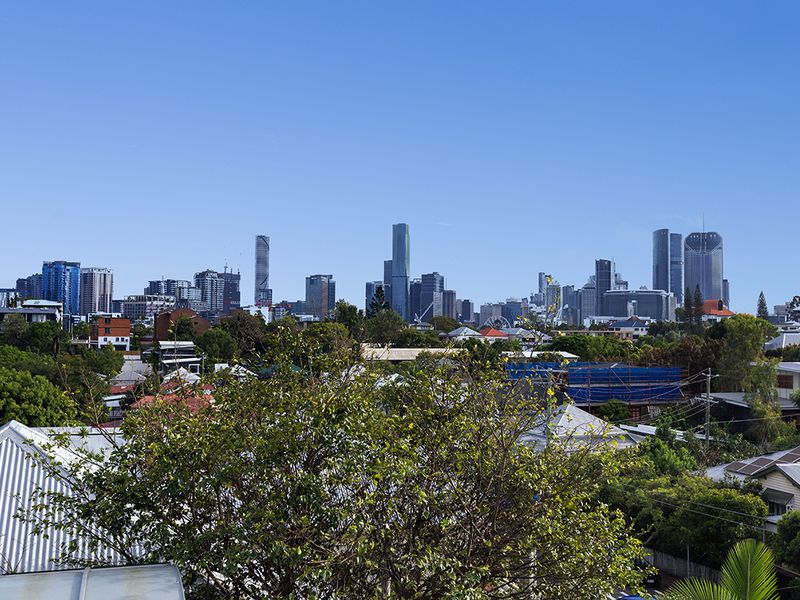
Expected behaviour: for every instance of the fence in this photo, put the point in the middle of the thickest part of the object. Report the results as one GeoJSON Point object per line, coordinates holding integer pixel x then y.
{"type": "Point", "coordinates": [677, 567]}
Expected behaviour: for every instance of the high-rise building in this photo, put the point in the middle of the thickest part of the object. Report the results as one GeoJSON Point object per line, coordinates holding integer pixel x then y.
{"type": "Point", "coordinates": [588, 300]}
{"type": "Point", "coordinates": [726, 293]}
{"type": "Point", "coordinates": [30, 287]}
{"type": "Point", "coordinates": [430, 298]}
{"type": "Point", "coordinates": [97, 289]}
{"type": "Point", "coordinates": [668, 262]}
{"type": "Point", "coordinates": [702, 256]}
{"type": "Point", "coordinates": [320, 295]}
{"type": "Point", "coordinates": [449, 304]}
{"type": "Point", "coordinates": [604, 280]}
{"type": "Point", "coordinates": [414, 298]}
{"type": "Point", "coordinates": [655, 304]}
{"type": "Point", "coordinates": [231, 294]}
{"type": "Point", "coordinates": [61, 282]}
{"type": "Point", "coordinates": [212, 290]}
{"type": "Point", "coordinates": [387, 281]}
{"type": "Point", "coordinates": [466, 311]}
{"type": "Point", "coordinates": [401, 267]}
{"type": "Point", "coordinates": [263, 293]}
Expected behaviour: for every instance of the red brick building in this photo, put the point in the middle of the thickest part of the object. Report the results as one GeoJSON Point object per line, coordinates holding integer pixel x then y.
{"type": "Point", "coordinates": [167, 319]}
{"type": "Point", "coordinates": [115, 331]}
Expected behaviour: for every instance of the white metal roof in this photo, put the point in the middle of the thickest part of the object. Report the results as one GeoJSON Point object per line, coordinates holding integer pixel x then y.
{"type": "Point", "coordinates": [141, 582]}
{"type": "Point", "coordinates": [20, 549]}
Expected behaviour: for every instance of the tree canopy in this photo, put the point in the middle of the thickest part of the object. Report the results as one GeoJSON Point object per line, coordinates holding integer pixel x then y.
{"type": "Point", "coordinates": [32, 400]}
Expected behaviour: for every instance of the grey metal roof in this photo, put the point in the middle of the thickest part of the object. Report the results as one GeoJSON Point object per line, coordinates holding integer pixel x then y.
{"type": "Point", "coordinates": [141, 582]}
{"type": "Point", "coordinates": [22, 551]}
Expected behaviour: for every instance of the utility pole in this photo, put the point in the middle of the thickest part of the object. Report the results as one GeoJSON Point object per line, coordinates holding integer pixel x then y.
{"type": "Point", "coordinates": [708, 405]}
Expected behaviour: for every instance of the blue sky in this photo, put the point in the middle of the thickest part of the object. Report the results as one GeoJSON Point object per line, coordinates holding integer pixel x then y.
{"type": "Point", "coordinates": [157, 138]}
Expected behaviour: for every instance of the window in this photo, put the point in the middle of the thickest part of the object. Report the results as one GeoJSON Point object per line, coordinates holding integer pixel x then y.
{"type": "Point", "coordinates": [107, 331]}
{"type": "Point", "coordinates": [776, 508]}
{"type": "Point", "coordinates": [786, 382]}
{"type": "Point", "coordinates": [107, 321]}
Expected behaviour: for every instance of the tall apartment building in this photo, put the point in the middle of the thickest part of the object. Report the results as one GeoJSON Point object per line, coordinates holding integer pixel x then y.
{"type": "Point", "coordinates": [61, 282]}
{"type": "Point", "coordinates": [97, 290]}
{"type": "Point", "coordinates": [702, 256]}
{"type": "Point", "coordinates": [668, 263]}
{"type": "Point", "coordinates": [387, 281]}
{"type": "Point", "coordinates": [466, 310]}
{"type": "Point", "coordinates": [30, 287]}
{"type": "Point", "coordinates": [449, 305]}
{"type": "Point", "coordinates": [430, 296]}
{"type": "Point", "coordinates": [145, 307]}
{"type": "Point", "coordinates": [320, 295]}
{"type": "Point", "coordinates": [401, 267]}
{"type": "Point", "coordinates": [231, 295]}
{"type": "Point", "coordinates": [604, 280]}
{"type": "Point", "coordinates": [263, 293]}
{"type": "Point", "coordinates": [212, 290]}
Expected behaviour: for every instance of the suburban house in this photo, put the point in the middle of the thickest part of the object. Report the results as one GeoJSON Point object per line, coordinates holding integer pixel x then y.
{"type": "Point", "coordinates": [577, 430]}
{"type": "Point", "coordinates": [631, 328]}
{"type": "Point", "coordinates": [779, 476]}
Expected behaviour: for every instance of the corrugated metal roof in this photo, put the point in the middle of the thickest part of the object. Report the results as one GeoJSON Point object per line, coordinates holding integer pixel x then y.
{"type": "Point", "coordinates": [142, 582]}
{"type": "Point", "coordinates": [22, 551]}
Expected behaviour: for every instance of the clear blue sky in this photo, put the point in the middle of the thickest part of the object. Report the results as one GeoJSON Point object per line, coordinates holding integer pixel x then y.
{"type": "Point", "coordinates": [157, 138]}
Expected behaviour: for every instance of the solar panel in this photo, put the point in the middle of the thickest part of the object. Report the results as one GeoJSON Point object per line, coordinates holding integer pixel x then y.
{"type": "Point", "coordinates": [761, 461]}
{"type": "Point", "coordinates": [734, 467]}
{"type": "Point", "coordinates": [749, 469]}
{"type": "Point", "coordinates": [792, 456]}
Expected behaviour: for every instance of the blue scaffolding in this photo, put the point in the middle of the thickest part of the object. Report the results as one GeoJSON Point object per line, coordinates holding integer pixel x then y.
{"type": "Point", "coordinates": [591, 382]}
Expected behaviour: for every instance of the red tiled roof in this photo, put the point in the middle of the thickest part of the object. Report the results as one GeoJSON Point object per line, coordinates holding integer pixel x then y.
{"type": "Point", "coordinates": [195, 403]}
{"type": "Point", "coordinates": [711, 308]}
{"type": "Point", "coordinates": [121, 389]}
{"type": "Point", "coordinates": [492, 332]}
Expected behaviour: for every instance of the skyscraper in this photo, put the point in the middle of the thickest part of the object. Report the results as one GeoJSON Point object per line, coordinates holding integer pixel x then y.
{"type": "Point", "coordinates": [263, 293]}
{"type": "Point", "coordinates": [702, 254]}
{"type": "Point", "coordinates": [604, 277]}
{"type": "Point", "coordinates": [320, 295]}
{"type": "Point", "coordinates": [387, 281]}
{"type": "Point", "coordinates": [370, 290]}
{"type": "Point", "coordinates": [231, 294]}
{"type": "Point", "coordinates": [212, 290]}
{"type": "Point", "coordinates": [430, 301]}
{"type": "Point", "coordinates": [401, 267]}
{"type": "Point", "coordinates": [668, 262]}
{"type": "Point", "coordinates": [61, 282]}
{"type": "Point", "coordinates": [97, 289]}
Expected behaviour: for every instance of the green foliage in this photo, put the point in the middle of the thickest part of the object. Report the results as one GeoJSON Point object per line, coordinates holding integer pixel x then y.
{"type": "Point", "coordinates": [182, 330]}
{"type": "Point", "coordinates": [378, 304]}
{"type": "Point", "coordinates": [743, 344]}
{"type": "Point", "coordinates": [673, 511]}
{"type": "Point", "coordinates": [596, 348]}
{"type": "Point", "coordinates": [248, 331]}
{"type": "Point", "coordinates": [14, 330]}
{"type": "Point", "coordinates": [218, 345]}
{"type": "Point", "coordinates": [355, 487]}
{"type": "Point", "coordinates": [351, 317]}
{"type": "Point", "coordinates": [668, 458]}
{"type": "Point", "coordinates": [47, 338]}
{"type": "Point", "coordinates": [385, 327]}
{"type": "Point", "coordinates": [614, 411]}
{"type": "Point", "coordinates": [32, 400]}
{"type": "Point", "coordinates": [787, 541]}
{"type": "Point", "coordinates": [762, 312]}
{"type": "Point", "coordinates": [138, 331]}
{"type": "Point", "coordinates": [20, 360]}
{"type": "Point", "coordinates": [446, 324]}
{"type": "Point", "coordinates": [748, 573]}
{"type": "Point", "coordinates": [105, 361]}
{"type": "Point", "coordinates": [81, 331]}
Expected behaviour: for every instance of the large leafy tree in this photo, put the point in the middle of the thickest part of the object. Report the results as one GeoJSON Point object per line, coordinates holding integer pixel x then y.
{"type": "Point", "coordinates": [748, 573]}
{"type": "Point", "coordinates": [247, 330]}
{"type": "Point", "coordinates": [218, 344]}
{"type": "Point", "coordinates": [743, 344]}
{"type": "Point", "coordinates": [32, 400]}
{"type": "Point", "coordinates": [353, 486]}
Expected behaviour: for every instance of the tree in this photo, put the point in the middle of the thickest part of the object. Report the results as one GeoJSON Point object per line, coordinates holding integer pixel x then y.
{"type": "Point", "coordinates": [218, 345]}
{"type": "Point", "coordinates": [14, 330]}
{"type": "Point", "coordinates": [33, 401]}
{"type": "Point", "coordinates": [762, 312]}
{"type": "Point", "coordinates": [385, 327]}
{"type": "Point", "coordinates": [743, 344]}
{"type": "Point", "coordinates": [688, 306]}
{"type": "Point", "coordinates": [614, 411]}
{"type": "Point", "coordinates": [748, 573]}
{"type": "Point", "coordinates": [182, 330]}
{"type": "Point", "coordinates": [349, 316]}
{"type": "Point", "coordinates": [378, 303]}
{"type": "Point", "coordinates": [787, 542]}
{"type": "Point", "coordinates": [248, 331]}
{"type": "Point", "coordinates": [698, 306]}
{"type": "Point", "coordinates": [105, 361]}
{"type": "Point", "coordinates": [443, 323]}
{"type": "Point", "coordinates": [357, 487]}
{"type": "Point", "coordinates": [81, 330]}
{"type": "Point", "coordinates": [47, 338]}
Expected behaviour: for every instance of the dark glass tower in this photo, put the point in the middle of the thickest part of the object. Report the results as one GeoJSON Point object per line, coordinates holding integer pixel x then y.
{"type": "Point", "coordinates": [702, 253]}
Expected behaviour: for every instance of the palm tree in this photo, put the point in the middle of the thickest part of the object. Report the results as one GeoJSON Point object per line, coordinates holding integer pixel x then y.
{"type": "Point", "coordinates": [748, 573]}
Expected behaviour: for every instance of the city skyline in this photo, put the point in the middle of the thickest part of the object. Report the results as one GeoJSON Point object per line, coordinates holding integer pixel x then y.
{"type": "Point", "coordinates": [547, 144]}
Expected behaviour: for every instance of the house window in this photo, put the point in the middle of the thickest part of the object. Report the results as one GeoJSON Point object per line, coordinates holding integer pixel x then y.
{"type": "Point", "coordinates": [786, 382]}
{"type": "Point", "coordinates": [107, 331]}
{"type": "Point", "coordinates": [776, 508]}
